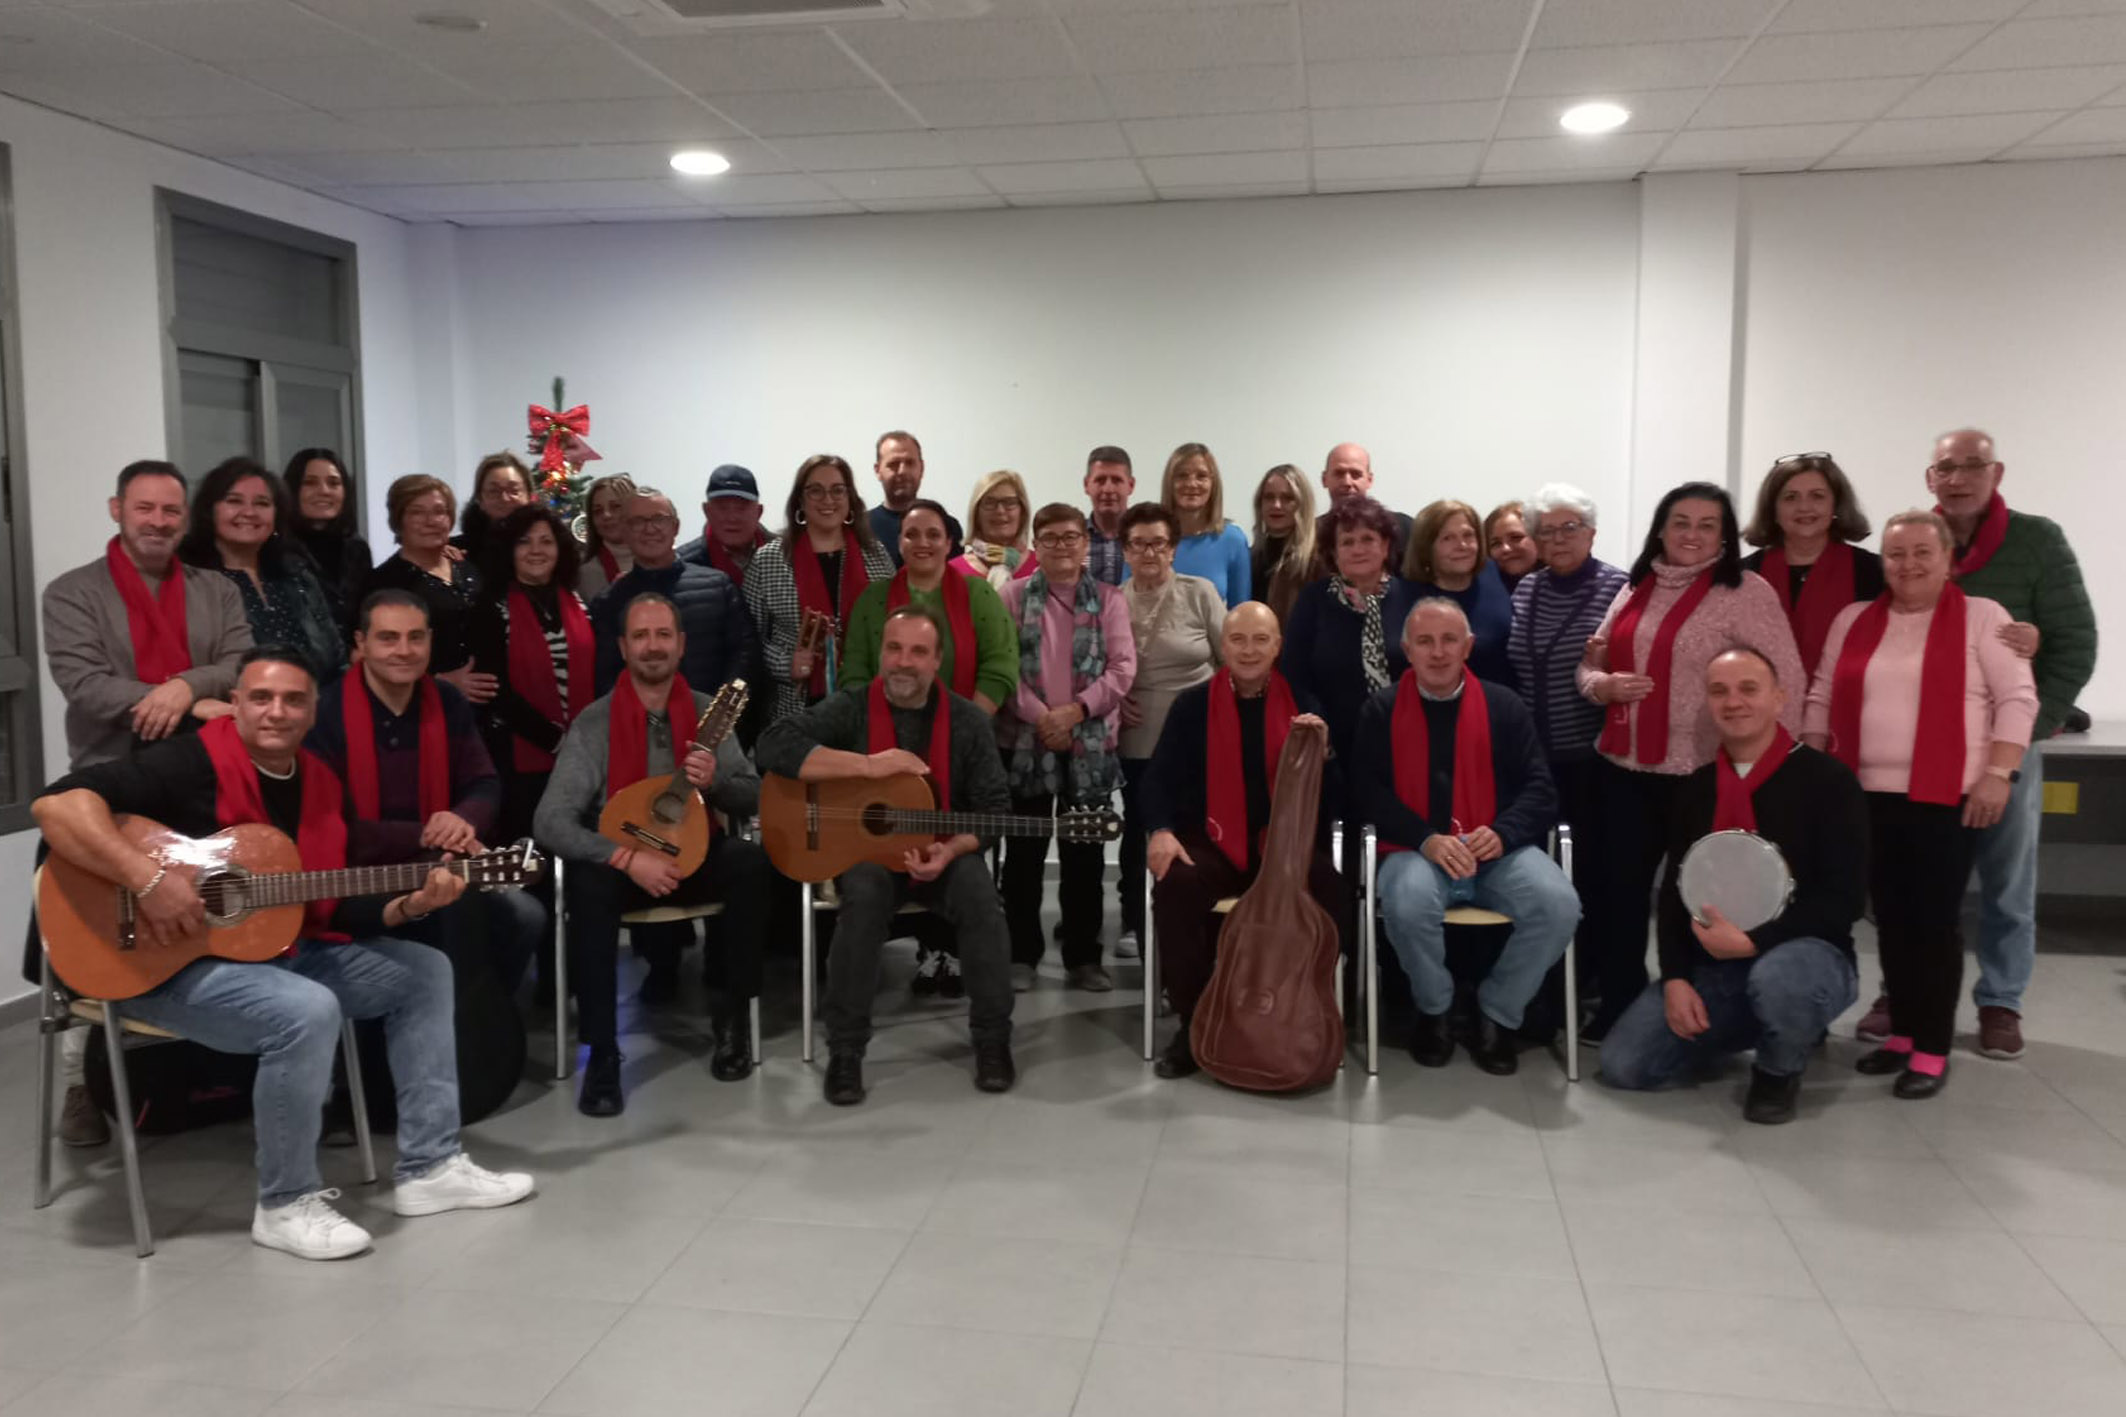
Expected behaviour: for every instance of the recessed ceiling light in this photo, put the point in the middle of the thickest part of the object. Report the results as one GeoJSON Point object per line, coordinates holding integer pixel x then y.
{"type": "Point", "coordinates": [700, 162]}
{"type": "Point", "coordinates": [451, 21]}
{"type": "Point", "coordinates": [1593, 118]}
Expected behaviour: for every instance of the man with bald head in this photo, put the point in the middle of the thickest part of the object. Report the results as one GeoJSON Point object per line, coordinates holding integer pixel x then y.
{"type": "Point", "coordinates": [1458, 786]}
{"type": "Point", "coordinates": [2023, 561]}
{"type": "Point", "coordinates": [1206, 801]}
{"type": "Point", "coordinates": [1346, 473]}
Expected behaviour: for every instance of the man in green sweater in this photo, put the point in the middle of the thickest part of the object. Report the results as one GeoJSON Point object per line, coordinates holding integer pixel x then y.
{"type": "Point", "coordinates": [2023, 561]}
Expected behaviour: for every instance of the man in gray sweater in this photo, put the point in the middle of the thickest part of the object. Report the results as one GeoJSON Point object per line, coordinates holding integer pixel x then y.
{"type": "Point", "coordinates": [889, 727]}
{"type": "Point", "coordinates": [619, 740]}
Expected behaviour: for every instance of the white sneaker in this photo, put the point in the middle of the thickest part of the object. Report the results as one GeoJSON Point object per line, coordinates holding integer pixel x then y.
{"type": "Point", "coordinates": [459, 1185]}
{"type": "Point", "coordinates": [1127, 945]}
{"type": "Point", "coordinates": [309, 1228]}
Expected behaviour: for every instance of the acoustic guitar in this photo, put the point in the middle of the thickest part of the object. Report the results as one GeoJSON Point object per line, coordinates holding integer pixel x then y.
{"type": "Point", "coordinates": [254, 887]}
{"type": "Point", "coordinates": [814, 831]}
{"type": "Point", "coordinates": [666, 814]}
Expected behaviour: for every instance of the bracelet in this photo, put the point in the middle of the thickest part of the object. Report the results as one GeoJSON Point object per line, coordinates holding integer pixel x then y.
{"type": "Point", "coordinates": [153, 881]}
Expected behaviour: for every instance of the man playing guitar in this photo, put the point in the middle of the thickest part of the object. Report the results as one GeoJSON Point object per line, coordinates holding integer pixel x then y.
{"type": "Point", "coordinates": [249, 767]}
{"type": "Point", "coordinates": [633, 733]}
{"type": "Point", "coordinates": [905, 721]}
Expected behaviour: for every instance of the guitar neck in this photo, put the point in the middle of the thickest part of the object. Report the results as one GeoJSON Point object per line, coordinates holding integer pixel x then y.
{"type": "Point", "coordinates": [302, 887]}
{"type": "Point", "coordinates": [972, 823]}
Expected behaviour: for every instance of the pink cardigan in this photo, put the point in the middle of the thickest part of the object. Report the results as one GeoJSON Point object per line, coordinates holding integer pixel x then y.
{"type": "Point", "coordinates": [1103, 697]}
{"type": "Point", "coordinates": [2000, 695]}
{"type": "Point", "coordinates": [1750, 614]}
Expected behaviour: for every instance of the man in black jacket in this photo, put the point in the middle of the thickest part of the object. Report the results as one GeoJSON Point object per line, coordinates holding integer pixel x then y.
{"type": "Point", "coordinates": [1457, 784]}
{"type": "Point", "coordinates": [1775, 988]}
{"type": "Point", "coordinates": [719, 633]}
{"type": "Point", "coordinates": [1206, 799]}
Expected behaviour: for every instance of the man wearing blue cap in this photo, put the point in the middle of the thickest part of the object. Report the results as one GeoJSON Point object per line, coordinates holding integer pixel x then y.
{"type": "Point", "coordinates": [730, 533]}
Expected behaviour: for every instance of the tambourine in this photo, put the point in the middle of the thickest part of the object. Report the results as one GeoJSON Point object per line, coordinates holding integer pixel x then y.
{"type": "Point", "coordinates": [1738, 873]}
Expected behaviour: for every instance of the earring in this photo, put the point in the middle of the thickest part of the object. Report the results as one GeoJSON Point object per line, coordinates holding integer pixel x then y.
{"type": "Point", "coordinates": [800, 516]}
{"type": "Point", "coordinates": [849, 518]}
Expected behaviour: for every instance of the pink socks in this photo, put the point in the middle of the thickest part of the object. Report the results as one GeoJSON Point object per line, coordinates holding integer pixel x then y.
{"type": "Point", "coordinates": [1931, 1065]}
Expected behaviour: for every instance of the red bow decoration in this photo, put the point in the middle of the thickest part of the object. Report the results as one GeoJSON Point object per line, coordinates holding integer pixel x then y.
{"type": "Point", "coordinates": [558, 437]}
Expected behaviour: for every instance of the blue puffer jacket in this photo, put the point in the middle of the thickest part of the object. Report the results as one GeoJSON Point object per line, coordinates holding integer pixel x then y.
{"type": "Point", "coordinates": [720, 641]}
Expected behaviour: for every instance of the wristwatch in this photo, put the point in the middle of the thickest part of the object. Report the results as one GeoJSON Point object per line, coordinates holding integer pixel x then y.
{"type": "Point", "coordinates": [2010, 776]}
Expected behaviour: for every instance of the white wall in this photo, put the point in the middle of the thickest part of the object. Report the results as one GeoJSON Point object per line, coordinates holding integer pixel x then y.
{"type": "Point", "coordinates": [1477, 342]}
{"type": "Point", "coordinates": [92, 376]}
{"type": "Point", "coordinates": [1887, 307]}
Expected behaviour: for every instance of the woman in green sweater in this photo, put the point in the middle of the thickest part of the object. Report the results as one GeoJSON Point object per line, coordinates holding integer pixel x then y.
{"type": "Point", "coordinates": [980, 659]}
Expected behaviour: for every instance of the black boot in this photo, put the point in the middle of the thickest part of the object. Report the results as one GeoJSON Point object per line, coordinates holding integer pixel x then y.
{"type": "Point", "coordinates": [994, 1071]}
{"type": "Point", "coordinates": [732, 1059]}
{"type": "Point", "coordinates": [1771, 1098]}
{"type": "Point", "coordinates": [1913, 1085]}
{"type": "Point", "coordinates": [1178, 1060]}
{"type": "Point", "coordinates": [845, 1079]}
{"type": "Point", "coordinates": [1431, 1042]}
{"type": "Point", "coordinates": [1493, 1048]}
{"type": "Point", "coordinates": [1882, 1062]}
{"type": "Point", "coordinates": [601, 1095]}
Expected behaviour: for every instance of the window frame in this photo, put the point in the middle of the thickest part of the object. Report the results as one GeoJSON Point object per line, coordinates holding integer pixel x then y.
{"type": "Point", "coordinates": [20, 673]}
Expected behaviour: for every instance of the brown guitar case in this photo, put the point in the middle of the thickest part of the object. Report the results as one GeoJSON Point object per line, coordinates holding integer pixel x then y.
{"type": "Point", "coordinates": [1269, 1021]}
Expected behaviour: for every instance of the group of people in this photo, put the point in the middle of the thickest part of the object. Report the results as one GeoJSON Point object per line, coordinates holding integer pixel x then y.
{"type": "Point", "coordinates": [1480, 678]}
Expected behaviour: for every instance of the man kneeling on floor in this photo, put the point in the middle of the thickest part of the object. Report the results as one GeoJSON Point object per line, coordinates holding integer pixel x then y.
{"type": "Point", "coordinates": [906, 721]}
{"type": "Point", "coordinates": [1778, 987]}
{"type": "Point", "coordinates": [249, 767]}
{"type": "Point", "coordinates": [1459, 788]}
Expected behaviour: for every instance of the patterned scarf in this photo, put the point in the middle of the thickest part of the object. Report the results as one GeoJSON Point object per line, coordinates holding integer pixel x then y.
{"type": "Point", "coordinates": [1373, 642]}
{"type": "Point", "coordinates": [1035, 770]}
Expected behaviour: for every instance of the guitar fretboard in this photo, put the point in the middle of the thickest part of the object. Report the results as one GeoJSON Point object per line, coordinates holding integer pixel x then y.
{"type": "Point", "coordinates": [302, 887]}
{"type": "Point", "coordinates": [975, 823]}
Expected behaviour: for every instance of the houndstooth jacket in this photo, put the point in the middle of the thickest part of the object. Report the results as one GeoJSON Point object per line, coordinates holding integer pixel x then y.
{"type": "Point", "coordinates": [771, 599]}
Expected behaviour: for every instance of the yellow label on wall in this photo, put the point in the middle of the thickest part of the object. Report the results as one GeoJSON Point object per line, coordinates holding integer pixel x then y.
{"type": "Point", "coordinates": [2063, 799]}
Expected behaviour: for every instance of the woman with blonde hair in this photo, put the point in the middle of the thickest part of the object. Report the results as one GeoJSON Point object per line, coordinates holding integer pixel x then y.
{"type": "Point", "coordinates": [606, 554]}
{"type": "Point", "coordinates": [1446, 558]}
{"type": "Point", "coordinates": [1210, 546]}
{"type": "Point", "coordinates": [997, 540]}
{"type": "Point", "coordinates": [1283, 557]}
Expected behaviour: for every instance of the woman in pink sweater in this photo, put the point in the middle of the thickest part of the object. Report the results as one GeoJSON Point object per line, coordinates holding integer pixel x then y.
{"type": "Point", "coordinates": [1688, 599]}
{"type": "Point", "coordinates": [1919, 695]}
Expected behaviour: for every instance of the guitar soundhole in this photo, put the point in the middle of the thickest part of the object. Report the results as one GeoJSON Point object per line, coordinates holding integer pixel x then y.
{"type": "Point", "coordinates": [669, 808]}
{"type": "Point", "coordinates": [878, 819]}
{"type": "Point", "coordinates": [226, 895]}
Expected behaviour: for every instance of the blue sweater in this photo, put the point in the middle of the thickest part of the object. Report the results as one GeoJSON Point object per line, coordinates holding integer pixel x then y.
{"type": "Point", "coordinates": [1220, 557]}
{"type": "Point", "coordinates": [1324, 660]}
{"type": "Point", "coordinates": [1489, 606]}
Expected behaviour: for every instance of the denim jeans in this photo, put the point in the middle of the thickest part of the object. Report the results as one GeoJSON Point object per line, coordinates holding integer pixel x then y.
{"type": "Point", "coordinates": [1524, 884]}
{"type": "Point", "coordinates": [2007, 892]}
{"type": "Point", "coordinates": [288, 1013]}
{"type": "Point", "coordinates": [1780, 1004]}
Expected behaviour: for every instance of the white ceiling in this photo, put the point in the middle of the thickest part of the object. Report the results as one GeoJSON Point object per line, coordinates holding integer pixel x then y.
{"type": "Point", "coordinates": [559, 111]}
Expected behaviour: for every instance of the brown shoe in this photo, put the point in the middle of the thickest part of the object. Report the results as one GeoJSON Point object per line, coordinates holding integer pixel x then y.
{"type": "Point", "coordinates": [81, 1121]}
{"type": "Point", "coordinates": [2000, 1032]}
{"type": "Point", "coordinates": [1874, 1025]}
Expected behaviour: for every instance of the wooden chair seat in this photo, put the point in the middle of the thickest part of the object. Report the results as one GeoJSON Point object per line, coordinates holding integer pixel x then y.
{"type": "Point", "coordinates": [92, 1011]}
{"type": "Point", "coordinates": [670, 914]}
{"type": "Point", "coordinates": [1475, 915]}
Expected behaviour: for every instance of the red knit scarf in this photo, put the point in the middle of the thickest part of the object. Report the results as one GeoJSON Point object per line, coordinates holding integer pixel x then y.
{"type": "Point", "coordinates": [531, 669]}
{"type": "Point", "coordinates": [1660, 667]}
{"type": "Point", "coordinates": [812, 589]}
{"type": "Point", "coordinates": [1225, 789]}
{"type": "Point", "coordinates": [720, 556]}
{"type": "Point", "coordinates": [161, 647]}
{"type": "Point", "coordinates": [959, 613]}
{"type": "Point", "coordinates": [610, 564]}
{"type": "Point", "coordinates": [878, 727]}
{"type": "Point", "coordinates": [1734, 804]}
{"type": "Point", "coordinates": [1476, 792]}
{"type": "Point", "coordinates": [1828, 590]}
{"type": "Point", "coordinates": [321, 832]}
{"type": "Point", "coordinates": [1992, 531]}
{"type": "Point", "coordinates": [627, 752]}
{"type": "Point", "coordinates": [1938, 743]}
{"type": "Point", "coordinates": [362, 784]}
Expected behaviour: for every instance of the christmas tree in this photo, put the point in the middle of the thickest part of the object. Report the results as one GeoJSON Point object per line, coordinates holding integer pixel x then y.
{"type": "Point", "coordinates": [557, 444]}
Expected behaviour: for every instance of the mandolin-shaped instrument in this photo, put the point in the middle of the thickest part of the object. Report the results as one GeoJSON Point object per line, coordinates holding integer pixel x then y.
{"type": "Point", "coordinates": [665, 814]}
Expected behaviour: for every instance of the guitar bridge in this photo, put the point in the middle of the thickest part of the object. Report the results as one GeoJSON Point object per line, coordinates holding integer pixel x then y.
{"type": "Point", "coordinates": [125, 919]}
{"type": "Point", "coordinates": [650, 839]}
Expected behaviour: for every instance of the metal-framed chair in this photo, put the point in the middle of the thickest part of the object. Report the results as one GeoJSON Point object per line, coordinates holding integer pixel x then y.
{"type": "Point", "coordinates": [1464, 915]}
{"type": "Point", "coordinates": [58, 1010]}
{"type": "Point", "coordinates": [817, 898]}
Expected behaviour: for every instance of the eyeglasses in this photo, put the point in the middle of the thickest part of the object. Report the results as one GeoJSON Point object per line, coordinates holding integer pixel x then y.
{"type": "Point", "coordinates": [1802, 457]}
{"type": "Point", "coordinates": [837, 493]}
{"type": "Point", "coordinates": [1970, 467]}
{"type": "Point", "coordinates": [651, 523]}
{"type": "Point", "coordinates": [1558, 532]}
{"type": "Point", "coordinates": [1060, 541]}
{"type": "Point", "coordinates": [1002, 504]}
{"type": "Point", "coordinates": [1148, 548]}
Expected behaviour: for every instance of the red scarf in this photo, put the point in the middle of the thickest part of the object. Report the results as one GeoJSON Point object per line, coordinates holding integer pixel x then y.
{"type": "Point", "coordinates": [1734, 804]}
{"type": "Point", "coordinates": [959, 612]}
{"type": "Point", "coordinates": [1660, 667]}
{"type": "Point", "coordinates": [434, 792]}
{"type": "Point", "coordinates": [610, 563]}
{"type": "Point", "coordinates": [531, 669]}
{"type": "Point", "coordinates": [627, 753]}
{"type": "Point", "coordinates": [1992, 531]}
{"type": "Point", "coordinates": [1225, 792]}
{"type": "Point", "coordinates": [1476, 792]}
{"type": "Point", "coordinates": [161, 647]}
{"type": "Point", "coordinates": [321, 833]}
{"type": "Point", "coordinates": [812, 589]}
{"type": "Point", "coordinates": [720, 556]}
{"type": "Point", "coordinates": [878, 717]}
{"type": "Point", "coordinates": [1938, 744]}
{"type": "Point", "coordinates": [1828, 590]}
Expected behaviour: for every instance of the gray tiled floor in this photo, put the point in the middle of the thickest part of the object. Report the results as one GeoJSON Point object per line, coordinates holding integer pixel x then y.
{"type": "Point", "coordinates": [1104, 1244]}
